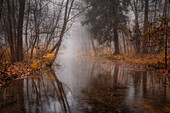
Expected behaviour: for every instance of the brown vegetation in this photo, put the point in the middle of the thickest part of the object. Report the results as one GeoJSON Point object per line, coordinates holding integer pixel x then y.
{"type": "Point", "coordinates": [18, 70]}
{"type": "Point", "coordinates": [152, 62]}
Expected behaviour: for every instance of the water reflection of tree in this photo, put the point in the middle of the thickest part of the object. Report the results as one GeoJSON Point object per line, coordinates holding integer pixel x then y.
{"type": "Point", "coordinates": [102, 93]}
{"type": "Point", "coordinates": [108, 89]}
{"type": "Point", "coordinates": [115, 76]}
{"type": "Point", "coordinates": [12, 99]}
{"type": "Point", "coordinates": [118, 89]}
{"type": "Point", "coordinates": [44, 95]}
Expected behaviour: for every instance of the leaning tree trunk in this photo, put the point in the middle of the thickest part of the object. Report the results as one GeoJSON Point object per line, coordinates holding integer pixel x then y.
{"type": "Point", "coordinates": [66, 20]}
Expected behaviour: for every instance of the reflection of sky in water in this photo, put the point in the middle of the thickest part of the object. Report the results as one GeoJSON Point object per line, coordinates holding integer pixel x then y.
{"type": "Point", "coordinates": [81, 78]}
{"type": "Point", "coordinates": [71, 74]}
{"type": "Point", "coordinates": [72, 70]}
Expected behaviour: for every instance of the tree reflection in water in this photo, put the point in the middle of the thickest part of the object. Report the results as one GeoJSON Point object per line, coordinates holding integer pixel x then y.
{"type": "Point", "coordinates": [12, 99]}
{"type": "Point", "coordinates": [46, 95]}
{"type": "Point", "coordinates": [88, 87]}
{"type": "Point", "coordinates": [125, 90]}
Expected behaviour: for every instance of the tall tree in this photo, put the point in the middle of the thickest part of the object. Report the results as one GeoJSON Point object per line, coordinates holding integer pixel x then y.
{"type": "Point", "coordinates": [136, 7]}
{"type": "Point", "coordinates": [43, 24]}
{"type": "Point", "coordinates": [1, 5]}
{"type": "Point", "coordinates": [67, 13]}
{"type": "Point", "coordinates": [19, 50]}
{"type": "Point", "coordinates": [146, 14]}
{"type": "Point", "coordinates": [12, 32]}
{"type": "Point", "coordinates": [106, 18]}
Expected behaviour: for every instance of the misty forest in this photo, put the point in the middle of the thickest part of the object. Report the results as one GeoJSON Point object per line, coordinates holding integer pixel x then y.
{"type": "Point", "coordinates": [84, 56]}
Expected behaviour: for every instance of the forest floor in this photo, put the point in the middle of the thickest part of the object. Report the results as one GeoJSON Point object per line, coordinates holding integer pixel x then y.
{"type": "Point", "coordinates": [151, 62]}
{"type": "Point", "coordinates": [18, 70]}
{"type": "Point", "coordinates": [15, 71]}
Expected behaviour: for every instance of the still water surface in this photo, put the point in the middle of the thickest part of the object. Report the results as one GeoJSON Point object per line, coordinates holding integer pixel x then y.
{"type": "Point", "coordinates": [80, 85]}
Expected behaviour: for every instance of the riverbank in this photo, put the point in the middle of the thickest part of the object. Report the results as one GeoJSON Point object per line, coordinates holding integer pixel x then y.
{"type": "Point", "coordinates": [11, 71]}
{"type": "Point", "coordinates": [151, 62]}
{"type": "Point", "coordinates": [27, 68]}
{"type": "Point", "coordinates": [86, 86]}
{"type": "Point", "coordinates": [15, 71]}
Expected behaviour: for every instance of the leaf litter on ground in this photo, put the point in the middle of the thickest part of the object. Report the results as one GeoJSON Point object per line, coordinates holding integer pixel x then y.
{"type": "Point", "coordinates": [17, 70]}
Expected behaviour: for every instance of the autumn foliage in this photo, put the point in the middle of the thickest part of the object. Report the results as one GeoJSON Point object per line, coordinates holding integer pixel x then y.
{"type": "Point", "coordinates": [11, 71]}
{"type": "Point", "coordinates": [158, 35]}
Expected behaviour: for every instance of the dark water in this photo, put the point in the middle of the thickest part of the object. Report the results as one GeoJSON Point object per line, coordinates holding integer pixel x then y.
{"type": "Point", "coordinates": [82, 86]}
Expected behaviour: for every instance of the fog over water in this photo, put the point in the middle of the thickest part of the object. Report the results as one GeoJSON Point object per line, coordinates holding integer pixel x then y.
{"type": "Point", "coordinates": [79, 85]}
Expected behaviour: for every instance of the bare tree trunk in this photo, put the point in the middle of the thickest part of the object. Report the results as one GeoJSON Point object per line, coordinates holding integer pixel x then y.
{"type": "Point", "coordinates": [166, 44]}
{"type": "Point", "coordinates": [135, 9]}
{"type": "Point", "coordinates": [26, 29]}
{"type": "Point", "coordinates": [116, 41]}
{"type": "Point", "coordinates": [66, 18]}
{"type": "Point", "coordinates": [14, 24]}
{"type": "Point", "coordinates": [155, 7]}
{"type": "Point", "coordinates": [1, 5]}
{"type": "Point", "coordinates": [165, 8]}
{"type": "Point", "coordinates": [166, 49]}
{"type": "Point", "coordinates": [124, 45]}
{"type": "Point", "coordinates": [20, 31]}
{"type": "Point", "coordinates": [36, 29]}
{"type": "Point", "coordinates": [93, 45]}
{"type": "Point", "coordinates": [10, 34]}
{"type": "Point", "coordinates": [53, 30]}
{"type": "Point", "coordinates": [34, 43]}
{"type": "Point", "coordinates": [144, 45]}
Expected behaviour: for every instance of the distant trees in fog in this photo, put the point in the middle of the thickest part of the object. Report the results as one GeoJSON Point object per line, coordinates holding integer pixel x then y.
{"type": "Point", "coordinates": [124, 22]}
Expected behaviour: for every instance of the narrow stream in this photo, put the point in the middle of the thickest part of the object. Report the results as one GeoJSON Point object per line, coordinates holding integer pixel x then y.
{"type": "Point", "coordinates": [80, 85]}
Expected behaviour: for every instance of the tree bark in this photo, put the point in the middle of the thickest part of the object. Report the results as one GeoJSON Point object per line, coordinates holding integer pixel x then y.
{"type": "Point", "coordinates": [134, 5]}
{"type": "Point", "coordinates": [116, 42]}
{"type": "Point", "coordinates": [20, 31]}
{"type": "Point", "coordinates": [27, 22]}
{"type": "Point", "coordinates": [66, 19]}
{"type": "Point", "coordinates": [10, 34]}
{"type": "Point", "coordinates": [144, 45]}
{"type": "Point", "coordinates": [165, 8]}
{"type": "Point", "coordinates": [93, 46]}
{"type": "Point", "coordinates": [1, 5]}
{"type": "Point", "coordinates": [124, 44]}
{"type": "Point", "coordinates": [166, 46]}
